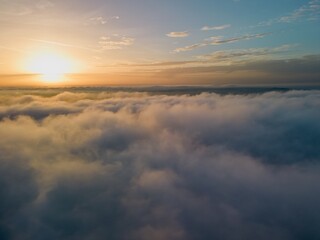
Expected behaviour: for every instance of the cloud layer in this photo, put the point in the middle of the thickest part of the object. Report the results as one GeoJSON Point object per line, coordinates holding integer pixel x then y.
{"type": "Point", "coordinates": [217, 40]}
{"type": "Point", "coordinates": [115, 42]}
{"type": "Point", "coordinates": [178, 34]}
{"type": "Point", "coordinates": [126, 165]}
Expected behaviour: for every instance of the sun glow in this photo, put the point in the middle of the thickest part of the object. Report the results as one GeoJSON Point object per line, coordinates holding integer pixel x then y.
{"type": "Point", "coordinates": [51, 66]}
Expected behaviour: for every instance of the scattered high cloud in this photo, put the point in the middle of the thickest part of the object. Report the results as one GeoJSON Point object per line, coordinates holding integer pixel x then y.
{"type": "Point", "coordinates": [44, 4]}
{"type": "Point", "coordinates": [115, 42]}
{"type": "Point", "coordinates": [251, 67]}
{"type": "Point", "coordinates": [178, 34]}
{"type": "Point", "coordinates": [208, 28]}
{"type": "Point", "coordinates": [309, 11]}
{"type": "Point", "coordinates": [22, 8]}
{"type": "Point", "coordinates": [190, 47]}
{"type": "Point", "coordinates": [217, 40]}
{"type": "Point", "coordinates": [220, 40]}
{"type": "Point", "coordinates": [100, 20]}
{"type": "Point", "coordinates": [121, 165]}
{"type": "Point", "coordinates": [234, 54]}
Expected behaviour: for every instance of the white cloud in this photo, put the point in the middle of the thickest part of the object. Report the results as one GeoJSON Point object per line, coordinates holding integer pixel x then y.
{"type": "Point", "coordinates": [220, 40]}
{"type": "Point", "coordinates": [235, 54]}
{"type": "Point", "coordinates": [190, 47]}
{"type": "Point", "coordinates": [217, 40]}
{"type": "Point", "coordinates": [115, 42]}
{"type": "Point", "coordinates": [309, 11]}
{"type": "Point", "coordinates": [178, 34]}
{"type": "Point", "coordinates": [124, 165]}
{"type": "Point", "coordinates": [22, 8]}
{"type": "Point", "coordinates": [208, 28]}
{"type": "Point", "coordinates": [100, 20]}
{"type": "Point", "coordinates": [44, 4]}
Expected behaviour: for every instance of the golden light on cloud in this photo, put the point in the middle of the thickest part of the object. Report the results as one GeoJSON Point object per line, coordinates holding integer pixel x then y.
{"type": "Point", "coordinates": [50, 65]}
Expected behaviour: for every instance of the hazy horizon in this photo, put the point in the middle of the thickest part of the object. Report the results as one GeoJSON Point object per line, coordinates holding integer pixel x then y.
{"type": "Point", "coordinates": [181, 42]}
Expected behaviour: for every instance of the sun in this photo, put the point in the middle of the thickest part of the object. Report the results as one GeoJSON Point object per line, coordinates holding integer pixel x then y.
{"type": "Point", "coordinates": [50, 65]}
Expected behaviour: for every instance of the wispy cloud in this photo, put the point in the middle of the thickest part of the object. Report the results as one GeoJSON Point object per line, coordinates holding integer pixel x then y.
{"type": "Point", "coordinates": [22, 8]}
{"type": "Point", "coordinates": [190, 47]}
{"type": "Point", "coordinates": [227, 58]}
{"type": "Point", "coordinates": [220, 40]}
{"type": "Point", "coordinates": [44, 4]}
{"type": "Point", "coordinates": [160, 64]}
{"type": "Point", "coordinates": [100, 20]}
{"type": "Point", "coordinates": [232, 55]}
{"type": "Point", "coordinates": [309, 11]}
{"type": "Point", "coordinates": [115, 42]}
{"type": "Point", "coordinates": [178, 34]}
{"type": "Point", "coordinates": [217, 40]}
{"type": "Point", "coordinates": [208, 28]}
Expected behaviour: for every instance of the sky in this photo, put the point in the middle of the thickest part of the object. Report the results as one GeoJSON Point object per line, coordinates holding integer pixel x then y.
{"type": "Point", "coordinates": [161, 42]}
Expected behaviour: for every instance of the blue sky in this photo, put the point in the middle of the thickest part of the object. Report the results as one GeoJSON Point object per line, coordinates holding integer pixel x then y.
{"type": "Point", "coordinates": [163, 38]}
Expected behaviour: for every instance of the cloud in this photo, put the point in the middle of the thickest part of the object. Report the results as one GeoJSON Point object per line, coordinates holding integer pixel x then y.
{"type": "Point", "coordinates": [115, 42]}
{"type": "Point", "coordinates": [126, 165]}
{"type": "Point", "coordinates": [220, 40]}
{"type": "Point", "coordinates": [217, 40]}
{"type": "Point", "coordinates": [232, 55]}
{"type": "Point", "coordinates": [16, 9]}
{"type": "Point", "coordinates": [208, 28]}
{"type": "Point", "coordinates": [23, 8]}
{"type": "Point", "coordinates": [161, 64]}
{"type": "Point", "coordinates": [178, 34]}
{"type": "Point", "coordinates": [190, 47]}
{"type": "Point", "coordinates": [223, 68]}
{"type": "Point", "coordinates": [235, 54]}
{"type": "Point", "coordinates": [100, 20]}
{"type": "Point", "coordinates": [44, 4]}
{"type": "Point", "coordinates": [309, 11]}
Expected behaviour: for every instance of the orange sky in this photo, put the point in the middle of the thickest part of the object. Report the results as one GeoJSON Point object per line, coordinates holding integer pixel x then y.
{"type": "Point", "coordinates": [130, 42]}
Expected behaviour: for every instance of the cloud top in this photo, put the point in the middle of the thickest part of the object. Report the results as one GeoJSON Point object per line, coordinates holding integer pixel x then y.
{"type": "Point", "coordinates": [136, 165]}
